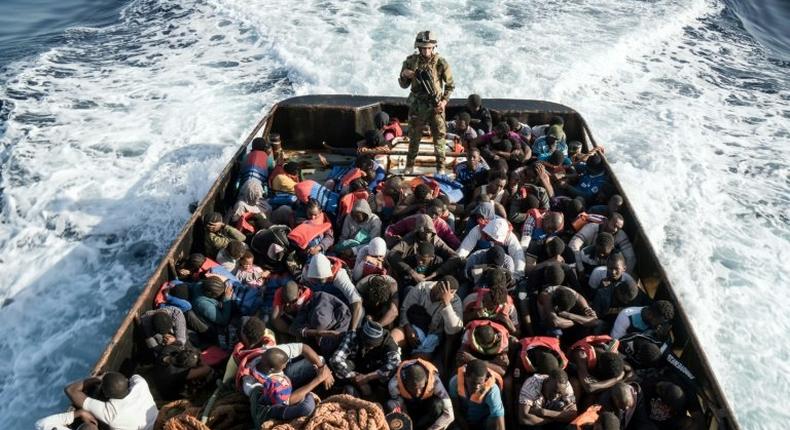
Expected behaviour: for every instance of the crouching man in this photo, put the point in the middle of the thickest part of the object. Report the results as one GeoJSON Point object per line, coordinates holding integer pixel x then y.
{"type": "Point", "coordinates": [417, 391]}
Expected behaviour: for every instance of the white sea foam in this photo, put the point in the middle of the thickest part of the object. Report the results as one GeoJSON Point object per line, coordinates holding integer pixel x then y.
{"type": "Point", "coordinates": [113, 134]}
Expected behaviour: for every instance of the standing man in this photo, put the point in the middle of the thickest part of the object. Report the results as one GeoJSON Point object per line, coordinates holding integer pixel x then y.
{"type": "Point", "coordinates": [431, 83]}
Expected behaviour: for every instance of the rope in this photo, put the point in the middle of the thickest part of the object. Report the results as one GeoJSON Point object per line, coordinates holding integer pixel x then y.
{"type": "Point", "coordinates": [339, 412]}
{"type": "Point", "coordinates": [230, 412]}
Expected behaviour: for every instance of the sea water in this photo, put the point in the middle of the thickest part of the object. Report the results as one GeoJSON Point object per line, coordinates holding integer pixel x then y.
{"type": "Point", "coordinates": [114, 116]}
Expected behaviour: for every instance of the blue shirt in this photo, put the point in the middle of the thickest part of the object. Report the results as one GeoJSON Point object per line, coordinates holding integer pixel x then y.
{"type": "Point", "coordinates": [491, 407]}
{"type": "Point", "coordinates": [589, 185]}
{"type": "Point", "coordinates": [541, 147]}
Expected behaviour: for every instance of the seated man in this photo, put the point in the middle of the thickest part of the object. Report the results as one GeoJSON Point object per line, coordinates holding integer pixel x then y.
{"type": "Point", "coordinates": [540, 354]}
{"type": "Point", "coordinates": [359, 228]}
{"type": "Point", "coordinates": [546, 400]}
{"type": "Point", "coordinates": [480, 116]}
{"type": "Point", "coordinates": [598, 364]}
{"type": "Point", "coordinates": [614, 226]}
{"type": "Point", "coordinates": [499, 232]}
{"type": "Point", "coordinates": [424, 231]}
{"type": "Point", "coordinates": [211, 301]}
{"type": "Point", "coordinates": [330, 277]}
{"type": "Point", "coordinates": [229, 256]}
{"type": "Point", "coordinates": [595, 255]}
{"type": "Point", "coordinates": [521, 129]}
{"type": "Point", "coordinates": [492, 303]}
{"type": "Point", "coordinates": [665, 407]}
{"type": "Point", "coordinates": [425, 263]}
{"type": "Point", "coordinates": [477, 397]}
{"type": "Point", "coordinates": [622, 400]}
{"type": "Point", "coordinates": [657, 317]}
{"type": "Point", "coordinates": [614, 290]}
{"type": "Point", "coordinates": [321, 322]}
{"type": "Point", "coordinates": [482, 259]}
{"type": "Point", "coordinates": [128, 403]}
{"type": "Point", "coordinates": [287, 302]}
{"type": "Point", "coordinates": [370, 259]}
{"type": "Point", "coordinates": [560, 308]}
{"type": "Point", "coordinates": [379, 298]}
{"type": "Point", "coordinates": [366, 357]}
{"type": "Point", "coordinates": [434, 210]}
{"type": "Point", "coordinates": [413, 202]}
{"type": "Point", "coordinates": [488, 341]}
{"type": "Point", "coordinates": [284, 180]}
{"type": "Point", "coordinates": [271, 393]}
{"type": "Point", "coordinates": [217, 234]}
{"type": "Point", "coordinates": [589, 183]}
{"type": "Point", "coordinates": [439, 302]}
{"type": "Point", "coordinates": [314, 233]}
{"type": "Point", "coordinates": [540, 130]}
{"type": "Point", "coordinates": [175, 367]}
{"type": "Point", "coordinates": [373, 143]}
{"type": "Point", "coordinates": [470, 173]}
{"type": "Point", "coordinates": [495, 146]}
{"type": "Point", "coordinates": [163, 327]}
{"type": "Point", "coordinates": [539, 228]}
{"type": "Point", "coordinates": [460, 129]}
{"type": "Point", "coordinates": [554, 140]}
{"type": "Point", "coordinates": [417, 391]}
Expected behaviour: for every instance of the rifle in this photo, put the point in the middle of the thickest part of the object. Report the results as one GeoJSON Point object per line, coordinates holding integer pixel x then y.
{"type": "Point", "coordinates": [424, 78]}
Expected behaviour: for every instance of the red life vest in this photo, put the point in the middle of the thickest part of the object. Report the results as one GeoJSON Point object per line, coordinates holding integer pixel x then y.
{"type": "Point", "coordinates": [307, 231]}
{"type": "Point", "coordinates": [500, 309]}
{"type": "Point", "coordinates": [274, 386]}
{"type": "Point", "coordinates": [243, 223]}
{"type": "Point", "coordinates": [469, 338]}
{"type": "Point", "coordinates": [348, 200]}
{"type": "Point", "coordinates": [239, 352]}
{"type": "Point", "coordinates": [161, 295]}
{"type": "Point", "coordinates": [588, 344]}
{"type": "Point", "coordinates": [550, 343]}
{"type": "Point", "coordinates": [491, 379]}
{"type": "Point", "coordinates": [430, 369]}
{"type": "Point", "coordinates": [584, 218]}
{"type": "Point", "coordinates": [433, 185]}
{"type": "Point", "coordinates": [393, 127]}
{"type": "Point", "coordinates": [350, 177]}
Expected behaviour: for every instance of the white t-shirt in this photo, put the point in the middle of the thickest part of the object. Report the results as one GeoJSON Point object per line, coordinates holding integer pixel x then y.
{"type": "Point", "coordinates": [136, 411]}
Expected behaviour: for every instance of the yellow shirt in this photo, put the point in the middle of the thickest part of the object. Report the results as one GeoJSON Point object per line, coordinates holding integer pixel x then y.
{"type": "Point", "coordinates": [283, 184]}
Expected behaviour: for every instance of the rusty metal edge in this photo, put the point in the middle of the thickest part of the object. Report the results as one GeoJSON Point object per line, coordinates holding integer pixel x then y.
{"type": "Point", "coordinates": [140, 303]}
{"type": "Point", "coordinates": [709, 375]}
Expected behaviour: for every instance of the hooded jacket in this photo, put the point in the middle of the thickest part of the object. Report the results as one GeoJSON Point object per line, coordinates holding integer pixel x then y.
{"type": "Point", "coordinates": [502, 235]}
{"type": "Point", "coordinates": [371, 225]}
{"type": "Point", "coordinates": [408, 245]}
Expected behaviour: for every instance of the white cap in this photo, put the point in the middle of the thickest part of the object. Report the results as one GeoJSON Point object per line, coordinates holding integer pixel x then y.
{"type": "Point", "coordinates": [498, 229]}
{"type": "Point", "coordinates": [377, 247]}
{"type": "Point", "coordinates": [319, 267]}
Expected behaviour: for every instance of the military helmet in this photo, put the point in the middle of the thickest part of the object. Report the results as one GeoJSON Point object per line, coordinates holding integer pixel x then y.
{"type": "Point", "coordinates": [424, 39]}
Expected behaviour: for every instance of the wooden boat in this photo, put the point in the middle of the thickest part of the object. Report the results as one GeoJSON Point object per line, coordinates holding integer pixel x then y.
{"type": "Point", "coordinates": [310, 125]}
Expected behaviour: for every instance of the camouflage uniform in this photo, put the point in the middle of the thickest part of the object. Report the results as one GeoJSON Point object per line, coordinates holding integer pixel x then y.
{"type": "Point", "coordinates": [422, 107]}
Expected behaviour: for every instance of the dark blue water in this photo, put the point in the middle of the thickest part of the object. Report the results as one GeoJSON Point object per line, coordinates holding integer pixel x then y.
{"type": "Point", "coordinates": [28, 27]}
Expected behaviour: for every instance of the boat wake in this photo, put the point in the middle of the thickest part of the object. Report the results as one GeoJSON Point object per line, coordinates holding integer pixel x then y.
{"type": "Point", "coordinates": [110, 134]}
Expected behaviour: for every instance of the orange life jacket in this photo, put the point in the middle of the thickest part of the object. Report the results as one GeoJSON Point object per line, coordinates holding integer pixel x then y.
{"type": "Point", "coordinates": [588, 344]}
{"type": "Point", "coordinates": [307, 231]}
{"type": "Point", "coordinates": [469, 335]}
{"type": "Point", "coordinates": [550, 343]}
{"type": "Point", "coordinates": [586, 418]}
{"type": "Point", "coordinates": [433, 185]}
{"type": "Point", "coordinates": [491, 379]}
{"type": "Point", "coordinates": [243, 223]}
{"type": "Point", "coordinates": [584, 218]}
{"type": "Point", "coordinates": [429, 368]}
{"type": "Point", "coordinates": [500, 309]}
